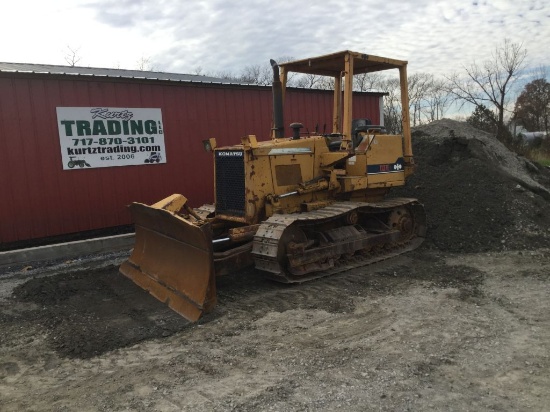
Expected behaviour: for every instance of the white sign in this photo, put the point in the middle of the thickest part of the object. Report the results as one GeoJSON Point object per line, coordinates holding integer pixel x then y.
{"type": "Point", "coordinates": [110, 136]}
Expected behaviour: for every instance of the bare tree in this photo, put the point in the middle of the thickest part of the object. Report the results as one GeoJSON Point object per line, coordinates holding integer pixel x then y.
{"type": "Point", "coordinates": [419, 85]}
{"type": "Point", "coordinates": [144, 64]}
{"type": "Point", "coordinates": [293, 79]}
{"type": "Point", "coordinates": [367, 81]}
{"type": "Point", "coordinates": [392, 104]}
{"type": "Point", "coordinates": [257, 74]}
{"type": "Point", "coordinates": [251, 74]}
{"type": "Point", "coordinates": [72, 56]}
{"type": "Point", "coordinates": [224, 74]}
{"type": "Point", "coordinates": [428, 97]}
{"type": "Point", "coordinates": [540, 72]}
{"type": "Point", "coordinates": [261, 74]}
{"type": "Point", "coordinates": [220, 74]}
{"type": "Point", "coordinates": [325, 83]}
{"type": "Point", "coordinates": [439, 100]}
{"type": "Point", "coordinates": [491, 82]}
{"type": "Point", "coordinates": [309, 81]}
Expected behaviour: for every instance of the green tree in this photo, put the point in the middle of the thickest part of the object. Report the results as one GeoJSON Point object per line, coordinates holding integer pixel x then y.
{"type": "Point", "coordinates": [483, 119]}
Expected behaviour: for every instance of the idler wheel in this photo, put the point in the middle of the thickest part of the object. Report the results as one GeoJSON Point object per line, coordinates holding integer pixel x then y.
{"type": "Point", "coordinates": [402, 220]}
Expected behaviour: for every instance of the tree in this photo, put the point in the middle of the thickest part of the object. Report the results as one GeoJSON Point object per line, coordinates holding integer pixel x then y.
{"type": "Point", "coordinates": [308, 81]}
{"type": "Point", "coordinates": [224, 74]}
{"type": "Point", "coordinates": [71, 56]}
{"type": "Point", "coordinates": [392, 104]}
{"type": "Point", "coordinates": [367, 81]}
{"type": "Point", "coordinates": [483, 119]}
{"type": "Point", "coordinates": [428, 97]}
{"type": "Point", "coordinates": [144, 64]}
{"type": "Point", "coordinates": [491, 82]}
{"type": "Point", "coordinates": [532, 108]}
{"type": "Point", "coordinates": [438, 100]}
{"type": "Point", "coordinates": [261, 74]}
{"type": "Point", "coordinates": [420, 85]}
{"type": "Point", "coordinates": [257, 74]}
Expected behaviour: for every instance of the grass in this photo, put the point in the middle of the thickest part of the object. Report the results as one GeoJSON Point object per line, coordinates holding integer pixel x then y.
{"type": "Point", "coordinates": [541, 156]}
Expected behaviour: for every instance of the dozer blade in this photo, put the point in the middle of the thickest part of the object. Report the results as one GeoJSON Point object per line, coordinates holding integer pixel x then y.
{"type": "Point", "coordinates": [173, 260]}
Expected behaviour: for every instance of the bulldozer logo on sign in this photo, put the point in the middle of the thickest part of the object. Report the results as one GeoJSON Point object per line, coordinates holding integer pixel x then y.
{"type": "Point", "coordinates": [153, 157]}
{"type": "Point", "coordinates": [76, 162]}
{"type": "Point", "coordinates": [93, 137]}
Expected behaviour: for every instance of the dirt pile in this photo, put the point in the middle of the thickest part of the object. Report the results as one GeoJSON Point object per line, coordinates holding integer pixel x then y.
{"type": "Point", "coordinates": [77, 309]}
{"type": "Point", "coordinates": [479, 196]}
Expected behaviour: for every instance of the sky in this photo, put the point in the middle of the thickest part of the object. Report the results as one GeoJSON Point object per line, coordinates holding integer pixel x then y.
{"type": "Point", "coordinates": [181, 36]}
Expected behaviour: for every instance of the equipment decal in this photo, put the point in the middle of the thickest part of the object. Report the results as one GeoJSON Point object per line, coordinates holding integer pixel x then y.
{"type": "Point", "coordinates": [386, 168]}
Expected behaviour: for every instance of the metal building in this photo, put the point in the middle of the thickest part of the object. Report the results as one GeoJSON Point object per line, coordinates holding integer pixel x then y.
{"type": "Point", "coordinates": [49, 190]}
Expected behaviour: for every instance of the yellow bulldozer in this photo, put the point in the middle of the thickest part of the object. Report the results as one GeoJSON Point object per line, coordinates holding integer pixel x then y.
{"type": "Point", "coordinates": [297, 207]}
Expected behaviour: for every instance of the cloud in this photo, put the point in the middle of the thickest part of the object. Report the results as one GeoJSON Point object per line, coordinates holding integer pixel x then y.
{"type": "Point", "coordinates": [218, 35]}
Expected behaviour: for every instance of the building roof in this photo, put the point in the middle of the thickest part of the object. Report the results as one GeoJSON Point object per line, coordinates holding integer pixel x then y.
{"type": "Point", "coordinates": [109, 73]}
{"type": "Point", "coordinates": [51, 69]}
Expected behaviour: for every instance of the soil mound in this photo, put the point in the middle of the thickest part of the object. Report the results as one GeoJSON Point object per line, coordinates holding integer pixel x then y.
{"type": "Point", "coordinates": [479, 196]}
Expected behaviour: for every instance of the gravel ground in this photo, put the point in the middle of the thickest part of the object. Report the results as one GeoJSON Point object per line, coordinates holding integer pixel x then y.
{"type": "Point", "coordinates": [463, 323]}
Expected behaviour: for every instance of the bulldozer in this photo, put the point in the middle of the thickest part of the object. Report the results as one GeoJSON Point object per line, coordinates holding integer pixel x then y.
{"type": "Point", "coordinates": [296, 207]}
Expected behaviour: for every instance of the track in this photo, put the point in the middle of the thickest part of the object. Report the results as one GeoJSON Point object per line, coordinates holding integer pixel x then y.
{"type": "Point", "coordinates": [342, 236]}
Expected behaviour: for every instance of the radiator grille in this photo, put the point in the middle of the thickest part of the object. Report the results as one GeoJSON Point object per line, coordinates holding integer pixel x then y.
{"type": "Point", "coordinates": [230, 190]}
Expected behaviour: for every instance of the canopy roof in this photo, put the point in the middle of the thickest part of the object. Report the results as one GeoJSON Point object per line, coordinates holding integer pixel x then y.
{"type": "Point", "coordinates": [334, 64]}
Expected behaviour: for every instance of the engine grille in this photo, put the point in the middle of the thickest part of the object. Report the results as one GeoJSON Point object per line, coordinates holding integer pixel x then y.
{"type": "Point", "coordinates": [230, 190]}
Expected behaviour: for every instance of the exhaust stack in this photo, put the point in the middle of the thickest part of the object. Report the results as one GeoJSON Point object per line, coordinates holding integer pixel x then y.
{"type": "Point", "coordinates": [277, 87]}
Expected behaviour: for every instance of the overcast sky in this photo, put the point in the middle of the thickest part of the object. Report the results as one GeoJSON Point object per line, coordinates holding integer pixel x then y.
{"type": "Point", "coordinates": [222, 35]}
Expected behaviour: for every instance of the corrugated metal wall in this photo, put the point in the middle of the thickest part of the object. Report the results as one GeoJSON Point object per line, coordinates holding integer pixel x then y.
{"type": "Point", "coordinates": [40, 199]}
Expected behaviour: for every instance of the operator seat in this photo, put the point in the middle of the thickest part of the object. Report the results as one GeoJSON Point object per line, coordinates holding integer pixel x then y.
{"type": "Point", "coordinates": [357, 126]}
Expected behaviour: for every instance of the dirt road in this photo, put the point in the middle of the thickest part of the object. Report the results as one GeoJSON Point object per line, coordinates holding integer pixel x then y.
{"type": "Point", "coordinates": [428, 331]}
